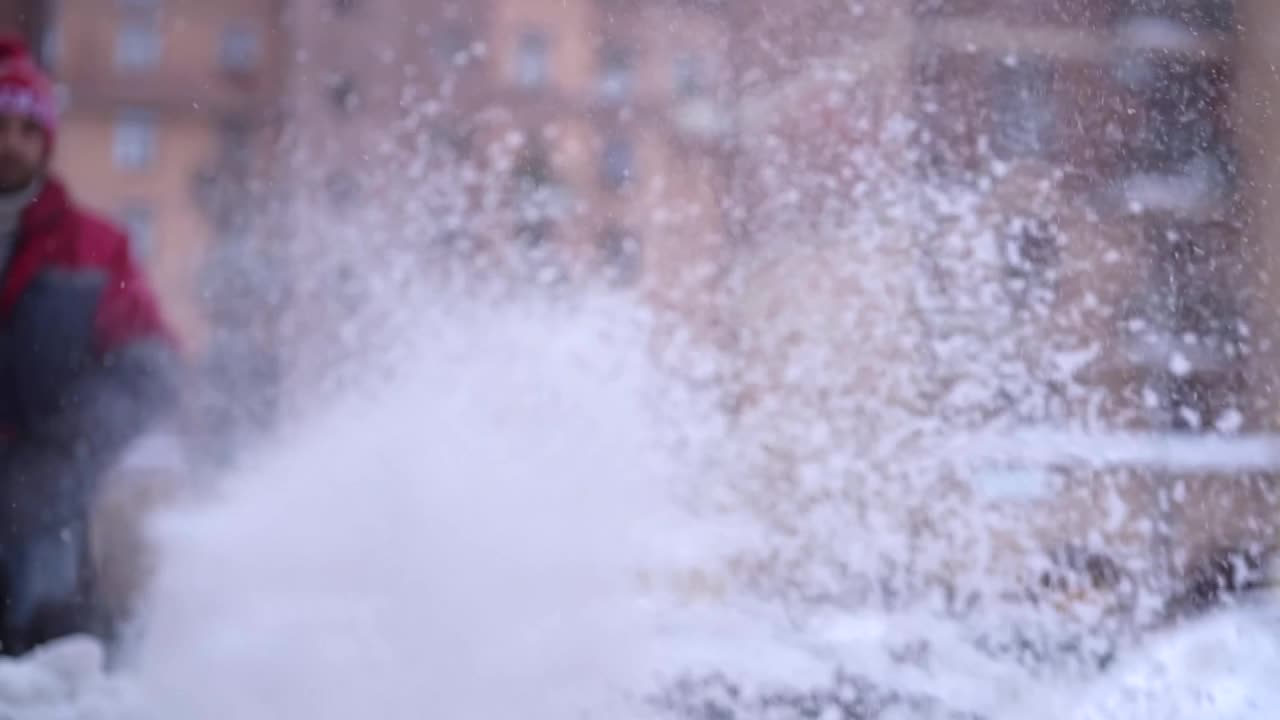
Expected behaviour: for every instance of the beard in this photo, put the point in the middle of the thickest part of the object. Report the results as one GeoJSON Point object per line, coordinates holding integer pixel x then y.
{"type": "Point", "coordinates": [16, 173]}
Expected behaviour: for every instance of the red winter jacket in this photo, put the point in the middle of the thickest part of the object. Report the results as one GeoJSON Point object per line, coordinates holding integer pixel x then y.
{"type": "Point", "coordinates": [57, 236]}
{"type": "Point", "coordinates": [86, 360]}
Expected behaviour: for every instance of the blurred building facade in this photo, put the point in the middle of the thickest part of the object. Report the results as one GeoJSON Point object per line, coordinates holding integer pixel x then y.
{"type": "Point", "coordinates": [159, 98]}
{"type": "Point", "coordinates": [1134, 110]}
{"type": "Point", "coordinates": [600, 103]}
{"type": "Point", "coordinates": [663, 143]}
{"type": "Point", "coordinates": [591, 122]}
{"type": "Point", "coordinates": [1140, 104]}
{"type": "Point", "coordinates": [1152, 122]}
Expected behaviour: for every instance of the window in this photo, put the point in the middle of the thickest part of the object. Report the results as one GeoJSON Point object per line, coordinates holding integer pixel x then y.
{"type": "Point", "coordinates": [1180, 112]}
{"type": "Point", "coordinates": [534, 233]}
{"type": "Point", "coordinates": [1212, 314]}
{"type": "Point", "coordinates": [343, 189]}
{"type": "Point", "coordinates": [452, 43]}
{"type": "Point", "coordinates": [134, 145]}
{"type": "Point", "coordinates": [1215, 15]}
{"type": "Point", "coordinates": [615, 73]}
{"type": "Point", "coordinates": [1023, 107]}
{"type": "Point", "coordinates": [537, 192]}
{"type": "Point", "coordinates": [1032, 248]}
{"type": "Point", "coordinates": [533, 166]}
{"type": "Point", "coordinates": [139, 223]}
{"type": "Point", "coordinates": [138, 37]}
{"type": "Point", "coordinates": [342, 93]}
{"type": "Point", "coordinates": [689, 74]}
{"type": "Point", "coordinates": [620, 254]}
{"type": "Point", "coordinates": [235, 134]}
{"type": "Point", "coordinates": [240, 48]}
{"type": "Point", "coordinates": [456, 140]}
{"type": "Point", "coordinates": [236, 131]}
{"type": "Point", "coordinates": [1196, 403]}
{"type": "Point", "coordinates": [137, 46]}
{"type": "Point", "coordinates": [348, 289]}
{"type": "Point", "coordinates": [49, 44]}
{"type": "Point", "coordinates": [1189, 285]}
{"type": "Point", "coordinates": [1032, 254]}
{"type": "Point", "coordinates": [617, 163]}
{"type": "Point", "coordinates": [533, 60]}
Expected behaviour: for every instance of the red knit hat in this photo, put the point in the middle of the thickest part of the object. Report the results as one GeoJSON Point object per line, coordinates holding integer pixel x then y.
{"type": "Point", "coordinates": [24, 88]}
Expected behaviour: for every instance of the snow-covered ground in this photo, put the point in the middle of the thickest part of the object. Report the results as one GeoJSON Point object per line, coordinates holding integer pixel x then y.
{"type": "Point", "coordinates": [464, 538]}
{"type": "Point", "coordinates": [1222, 667]}
{"type": "Point", "coordinates": [491, 532]}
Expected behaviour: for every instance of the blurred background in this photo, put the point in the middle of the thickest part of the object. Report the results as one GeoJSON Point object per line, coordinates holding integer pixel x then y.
{"type": "Point", "coordinates": [736, 165]}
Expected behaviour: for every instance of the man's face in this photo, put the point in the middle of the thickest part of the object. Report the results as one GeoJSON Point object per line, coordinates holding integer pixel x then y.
{"type": "Point", "coordinates": [22, 152]}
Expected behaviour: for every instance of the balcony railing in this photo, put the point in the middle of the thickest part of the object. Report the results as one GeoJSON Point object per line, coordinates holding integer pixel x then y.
{"type": "Point", "coordinates": [1171, 36]}
{"type": "Point", "coordinates": [1179, 452]}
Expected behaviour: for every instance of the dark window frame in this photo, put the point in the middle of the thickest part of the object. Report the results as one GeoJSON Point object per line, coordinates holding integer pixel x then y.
{"type": "Point", "coordinates": [533, 59]}
{"type": "Point", "coordinates": [617, 71]}
{"type": "Point", "coordinates": [617, 162]}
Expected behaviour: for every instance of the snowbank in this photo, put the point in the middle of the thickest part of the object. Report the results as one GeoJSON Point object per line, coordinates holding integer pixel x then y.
{"type": "Point", "coordinates": [1221, 667]}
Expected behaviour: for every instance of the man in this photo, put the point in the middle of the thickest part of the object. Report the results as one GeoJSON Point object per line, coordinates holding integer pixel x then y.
{"type": "Point", "coordinates": [86, 364]}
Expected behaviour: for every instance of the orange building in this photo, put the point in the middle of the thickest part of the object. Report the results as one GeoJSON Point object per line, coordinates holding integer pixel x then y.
{"type": "Point", "coordinates": [162, 97]}
{"type": "Point", "coordinates": [1115, 156]}
{"type": "Point", "coordinates": [169, 121]}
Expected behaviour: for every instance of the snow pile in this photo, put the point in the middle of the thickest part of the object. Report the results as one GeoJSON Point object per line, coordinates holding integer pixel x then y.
{"type": "Point", "coordinates": [465, 537]}
{"type": "Point", "coordinates": [1221, 667]}
{"type": "Point", "coordinates": [901, 658]}
{"type": "Point", "coordinates": [64, 681]}
{"type": "Point", "coordinates": [492, 527]}
{"type": "Point", "coordinates": [464, 541]}
{"type": "Point", "coordinates": [489, 528]}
